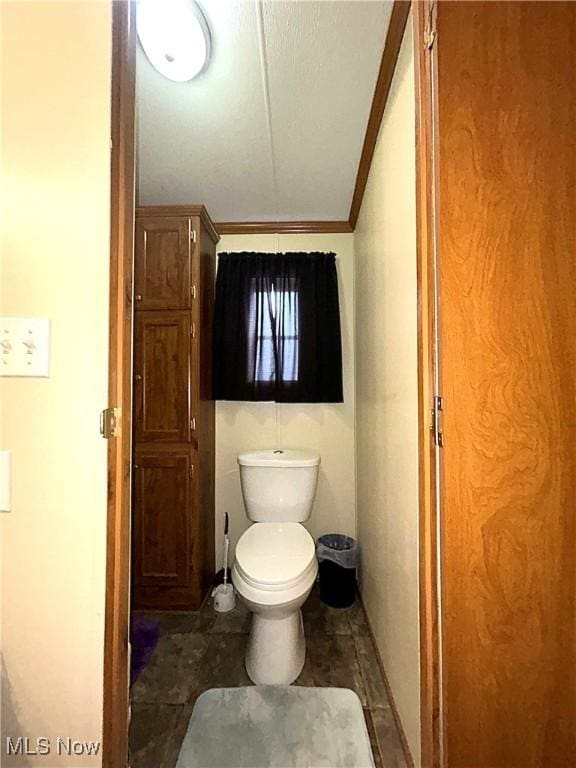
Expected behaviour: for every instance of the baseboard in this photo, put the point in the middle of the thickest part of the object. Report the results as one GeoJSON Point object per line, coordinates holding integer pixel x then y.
{"type": "Point", "coordinates": [403, 739]}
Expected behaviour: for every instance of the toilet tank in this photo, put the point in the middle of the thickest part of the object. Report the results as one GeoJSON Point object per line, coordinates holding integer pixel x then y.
{"type": "Point", "coordinates": [278, 486]}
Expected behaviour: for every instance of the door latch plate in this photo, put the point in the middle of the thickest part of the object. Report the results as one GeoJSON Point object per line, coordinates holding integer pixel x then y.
{"type": "Point", "coordinates": [110, 423]}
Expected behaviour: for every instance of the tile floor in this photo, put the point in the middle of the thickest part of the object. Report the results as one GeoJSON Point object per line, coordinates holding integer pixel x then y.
{"type": "Point", "coordinates": [203, 650]}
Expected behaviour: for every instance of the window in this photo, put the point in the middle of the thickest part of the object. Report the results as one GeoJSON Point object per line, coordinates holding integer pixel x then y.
{"type": "Point", "coordinates": [277, 328]}
{"type": "Point", "coordinates": [273, 324]}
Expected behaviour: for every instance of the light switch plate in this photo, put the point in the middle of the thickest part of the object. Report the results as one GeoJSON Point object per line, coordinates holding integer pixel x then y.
{"type": "Point", "coordinates": [24, 346]}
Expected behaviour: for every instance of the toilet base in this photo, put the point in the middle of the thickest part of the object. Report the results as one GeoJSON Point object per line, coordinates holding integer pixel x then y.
{"type": "Point", "coordinates": [276, 649]}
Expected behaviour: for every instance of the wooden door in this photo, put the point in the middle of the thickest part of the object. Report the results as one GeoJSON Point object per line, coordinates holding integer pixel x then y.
{"type": "Point", "coordinates": [162, 377]}
{"type": "Point", "coordinates": [507, 229]}
{"type": "Point", "coordinates": [163, 498]}
{"type": "Point", "coordinates": [162, 263]}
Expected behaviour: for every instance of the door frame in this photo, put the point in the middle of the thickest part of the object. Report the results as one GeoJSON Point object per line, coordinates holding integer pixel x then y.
{"type": "Point", "coordinates": [118, 537]}
{"type": "Point", "coordinates": [431, 696]}
{"type": "Point", "coordinates": [116, 660]}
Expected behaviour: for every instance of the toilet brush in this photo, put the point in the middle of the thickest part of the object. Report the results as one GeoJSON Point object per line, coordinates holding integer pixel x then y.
{"type": "Point", "coordinates": [226, 547]}
{"type": "Point", "coordinates": [224, 596]}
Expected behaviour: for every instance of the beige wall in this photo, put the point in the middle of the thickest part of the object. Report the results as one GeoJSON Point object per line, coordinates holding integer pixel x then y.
{"type": "Point", "coordinates": [55, 255]}
{"type": "Point", "coordinates": [387, 397]}
{"type": "Point", "coordinates": [326, 428]}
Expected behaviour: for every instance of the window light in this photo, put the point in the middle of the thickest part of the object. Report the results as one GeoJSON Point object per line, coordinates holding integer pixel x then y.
{"type": "Point", "coordinates": [175, 37]}
{"type": "Point", "coordinates": [273, 318]}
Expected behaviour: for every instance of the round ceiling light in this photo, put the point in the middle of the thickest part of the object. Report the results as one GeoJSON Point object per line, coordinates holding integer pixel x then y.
{"type": "Point", "coordinates": [175, 37]}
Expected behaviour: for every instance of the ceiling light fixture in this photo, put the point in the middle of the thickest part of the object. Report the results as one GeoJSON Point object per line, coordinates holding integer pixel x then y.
{"type": "Point", "coordinates": [175, 37]}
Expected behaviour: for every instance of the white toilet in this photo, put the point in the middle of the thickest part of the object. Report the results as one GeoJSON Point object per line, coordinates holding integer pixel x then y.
{"type": "Point", "coordinates": [275, 565]}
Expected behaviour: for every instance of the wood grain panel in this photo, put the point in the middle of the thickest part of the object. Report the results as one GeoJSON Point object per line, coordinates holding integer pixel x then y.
{"type": "Point", "coordinates": [118, 540]}
{"type": "Point", "coordinates": [282, 227]}
{"type": "Point", "coordinates": [162, 377]}
{"type": "Point", "coordinates": [163, 498]}
{"type": "Point", "coordinates": [426, 167]}
{"type": "Point", "coordinates": [162, 266]}
{"type": "Point", "coordinates": [507, 116]}
{"type": "Point", "coordinates": [206, 275]}
{"type": "Point", "coordinates": [182, 212]}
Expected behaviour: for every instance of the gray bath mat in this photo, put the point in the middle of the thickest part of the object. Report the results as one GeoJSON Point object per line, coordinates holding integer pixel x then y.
{"type": "Point", "coordinates": [277, 726]}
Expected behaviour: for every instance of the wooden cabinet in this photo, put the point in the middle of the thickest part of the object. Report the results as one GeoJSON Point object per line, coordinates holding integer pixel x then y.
{"type": "Point", "coordinates": [162, 268]}
{"type": "Point", "coordinates": [173, 500]}
{"type": "Point", "coordinates": [162, 364]}
{"type": "Point", "coordinates": [164, 498]}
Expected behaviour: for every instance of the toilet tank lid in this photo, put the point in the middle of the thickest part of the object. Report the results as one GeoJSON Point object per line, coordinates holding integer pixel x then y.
{"type": "Point", "coordinates": [279, 458]}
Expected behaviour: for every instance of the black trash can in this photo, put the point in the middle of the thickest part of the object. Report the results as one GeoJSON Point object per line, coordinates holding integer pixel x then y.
{"type": "Point", "coordinates": [338, 557]}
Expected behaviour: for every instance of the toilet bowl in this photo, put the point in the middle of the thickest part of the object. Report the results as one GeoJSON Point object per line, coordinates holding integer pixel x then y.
{"type": "Point", "coordinates": [275, 566]}
{"type": "Point", "coordinates": [274, 572]}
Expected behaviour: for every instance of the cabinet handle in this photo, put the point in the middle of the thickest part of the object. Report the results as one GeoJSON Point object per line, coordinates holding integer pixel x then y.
{"type": "Point", "coordinates": [138, 297]}
{"type": "Point", "coordinates": [137, 377]}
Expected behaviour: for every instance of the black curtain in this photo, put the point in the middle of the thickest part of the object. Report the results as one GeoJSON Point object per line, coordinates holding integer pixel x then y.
{"type": "Point", "coordinates": [277, 328]}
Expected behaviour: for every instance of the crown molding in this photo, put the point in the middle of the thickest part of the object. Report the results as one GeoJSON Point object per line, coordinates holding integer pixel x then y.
{"type": "Point", "coordinates": [394, 37]}
{"type": "Point", "coordinates": [282, 227]}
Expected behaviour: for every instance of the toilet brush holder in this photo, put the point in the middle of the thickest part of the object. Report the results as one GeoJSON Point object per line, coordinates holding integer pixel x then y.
{"type": "Point", "coordinates": [224, 595]}
{"type": "Point", "coordinates": [224, 598]}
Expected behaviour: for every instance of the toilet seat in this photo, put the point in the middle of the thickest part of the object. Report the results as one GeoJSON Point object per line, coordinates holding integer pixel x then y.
{"type": "Point", "coordinates": [275, 556]}
{"type": "Point", "coordinates": [274, 571]}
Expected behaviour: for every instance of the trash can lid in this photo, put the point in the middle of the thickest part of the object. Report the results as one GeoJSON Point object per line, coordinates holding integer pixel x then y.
{"type": "Point", "coordinates": [337, 541]}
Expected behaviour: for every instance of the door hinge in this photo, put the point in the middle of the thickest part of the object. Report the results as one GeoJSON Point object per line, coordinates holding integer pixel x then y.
{"type": "Point", "coordinates": [193, 235]}
{"type": "Point", "coordinates": [430, 27]}
{"type": "Point", "coordinates": [193, 423]}
{"type": "Point", "coordinates": [191, 470]}
{"type": "Point", "coordinates": [436, 421]}
{"type": "Point", "coordinates": [193, 291]}
{"type": "Point", "coordinates": [110, 423]}
{"type": "Point", "coordinates": [193, 330]}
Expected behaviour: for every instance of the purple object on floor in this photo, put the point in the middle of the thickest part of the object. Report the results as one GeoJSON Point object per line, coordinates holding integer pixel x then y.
{"type": "Point", "coordinates": [144, 634]}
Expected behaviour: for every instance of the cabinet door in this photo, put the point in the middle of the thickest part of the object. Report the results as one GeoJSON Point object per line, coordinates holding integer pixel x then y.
{"type": "Point", "coordinates": [162, 379]}
{"type": "Point", "coordinates": [163, 511]}
{"type": "Point", "coordinates": [162, 263]}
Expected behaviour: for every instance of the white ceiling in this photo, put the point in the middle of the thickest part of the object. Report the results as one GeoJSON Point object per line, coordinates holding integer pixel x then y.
{"type": "Point", "coordinates": [273, 129]}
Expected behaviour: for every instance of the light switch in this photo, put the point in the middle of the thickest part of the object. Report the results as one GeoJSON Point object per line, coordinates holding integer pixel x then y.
{"type": "Point", "coordinates": [24, 346]}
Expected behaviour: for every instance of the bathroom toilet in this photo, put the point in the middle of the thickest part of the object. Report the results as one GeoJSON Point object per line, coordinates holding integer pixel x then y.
{"type": "Point", "coordinates": [275, 566]}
